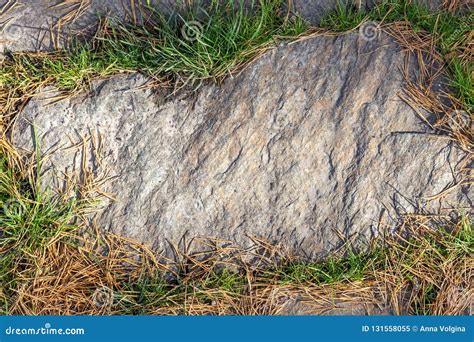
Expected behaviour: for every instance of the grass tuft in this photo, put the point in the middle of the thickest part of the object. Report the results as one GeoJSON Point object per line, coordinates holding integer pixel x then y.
{"type": "Point", "coordinates": [209, 43]}
{"type": "Point", "coordinates": [30, 220]}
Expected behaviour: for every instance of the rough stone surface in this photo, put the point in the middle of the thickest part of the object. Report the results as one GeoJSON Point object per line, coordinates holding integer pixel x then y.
{"type": "Point", "coordinates": [298, 307]}
{"type": "Point", "coordinates": [25, 25]}
{"type": "Point", "coordinates": [309, 140]}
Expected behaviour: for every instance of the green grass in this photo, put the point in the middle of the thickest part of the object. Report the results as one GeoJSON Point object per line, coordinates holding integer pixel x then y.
{"type": "Point", "coordinates": [193, 45]}
{"type": "Point", "coordinates": [30, 219]}
{"type": "Point", "coordinates": [343, 18]}
{"type": "Point", "coordinates": [353, 266]}
{"type": "Point", "coordinates": [199, 45]}
{"type": "Point", "coordinates": [450, 30]}
{"type": "Point", "coordinates": [149, 291]}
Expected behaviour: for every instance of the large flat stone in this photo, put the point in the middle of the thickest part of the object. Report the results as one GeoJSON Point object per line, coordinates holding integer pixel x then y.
{"type": "Point", "coordinates": [310, 140]}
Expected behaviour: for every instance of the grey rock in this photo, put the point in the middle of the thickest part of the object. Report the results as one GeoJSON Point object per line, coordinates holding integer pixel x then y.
{"type": "Point", "coordinates": [27, 24]}
{"type": "Point", "coordinates": [310, 140]}
{"type": "Point", "coordinates": [310, 307]}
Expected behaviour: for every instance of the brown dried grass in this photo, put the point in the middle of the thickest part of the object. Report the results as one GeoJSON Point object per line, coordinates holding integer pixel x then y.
{"type": "Point", "coordinates": [63, 278]}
